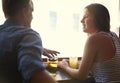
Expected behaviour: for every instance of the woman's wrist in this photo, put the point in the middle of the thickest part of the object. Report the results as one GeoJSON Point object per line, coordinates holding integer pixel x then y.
{"type": "Point", "coordinates": [66, 69]}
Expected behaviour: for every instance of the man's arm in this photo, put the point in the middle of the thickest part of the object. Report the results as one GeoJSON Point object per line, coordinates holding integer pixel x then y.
{"type": "Point", "coordinates": [42, 77]}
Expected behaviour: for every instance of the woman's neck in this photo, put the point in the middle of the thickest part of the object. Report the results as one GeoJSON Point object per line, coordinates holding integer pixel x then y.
{"type": "Point", "coordinates": [89, 34]}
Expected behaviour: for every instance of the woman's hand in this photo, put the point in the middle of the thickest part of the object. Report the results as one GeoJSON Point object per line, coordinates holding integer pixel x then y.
{"type": "Point", "coordinates": [50, 53]}
{"type": "Point", "coordinates": [63, 64]}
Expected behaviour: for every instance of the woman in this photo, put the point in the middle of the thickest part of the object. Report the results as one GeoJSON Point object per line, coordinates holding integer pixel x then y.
{"type": "Point", "coordinates": [101, 54]}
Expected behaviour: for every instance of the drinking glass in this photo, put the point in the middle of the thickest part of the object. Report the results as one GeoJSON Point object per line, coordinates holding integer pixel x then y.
{"type": "Point", "coordinates": [73, 62]}
{"type": "Point", "coordinates": [52, 64]}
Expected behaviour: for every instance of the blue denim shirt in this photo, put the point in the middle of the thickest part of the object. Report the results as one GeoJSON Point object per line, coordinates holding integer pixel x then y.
{"type": "Point", "coordinates": [20, 53]}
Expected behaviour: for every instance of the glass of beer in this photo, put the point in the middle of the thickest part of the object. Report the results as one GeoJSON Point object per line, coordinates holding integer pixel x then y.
{"type": "Point", "coordinates": [73, 62]}
{"type": "Point", "coordinates": [52, 64]}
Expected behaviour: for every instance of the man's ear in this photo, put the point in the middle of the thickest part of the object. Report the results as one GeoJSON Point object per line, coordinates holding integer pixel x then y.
{"type": "Point", "coordinates": [23, 11]}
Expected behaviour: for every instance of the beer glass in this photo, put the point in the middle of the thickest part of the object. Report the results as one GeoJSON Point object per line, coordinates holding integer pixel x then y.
{"type": "Point", "coordinates": [73, 62]}
{"type": "Point", "coordinates": [52, 64]}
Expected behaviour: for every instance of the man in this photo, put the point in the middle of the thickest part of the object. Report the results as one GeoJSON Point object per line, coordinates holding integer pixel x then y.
{"type": "Point", "coordinates": [21, 47]}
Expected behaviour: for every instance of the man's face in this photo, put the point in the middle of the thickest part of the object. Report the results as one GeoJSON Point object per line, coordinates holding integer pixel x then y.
{"type": "Point", "coordinates": [28, 13]}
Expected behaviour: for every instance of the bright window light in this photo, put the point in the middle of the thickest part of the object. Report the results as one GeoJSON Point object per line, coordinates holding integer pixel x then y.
{"type": "Point", "coordinates": [58, 22]}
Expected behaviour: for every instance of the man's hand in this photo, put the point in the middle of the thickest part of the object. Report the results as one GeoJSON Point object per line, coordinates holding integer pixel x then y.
{"type": "Point", "coordinates": [50, 53]}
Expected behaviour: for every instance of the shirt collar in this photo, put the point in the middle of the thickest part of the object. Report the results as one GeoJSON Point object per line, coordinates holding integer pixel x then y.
{"type": "Point", "coordinates": [9, 22]}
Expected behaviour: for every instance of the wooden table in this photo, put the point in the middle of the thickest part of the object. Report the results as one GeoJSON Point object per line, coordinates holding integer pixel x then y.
{"type": "Point", "coordinates": [62, 77]}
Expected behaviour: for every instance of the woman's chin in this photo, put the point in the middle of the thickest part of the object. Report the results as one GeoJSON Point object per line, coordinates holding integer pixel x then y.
{"type": "Point", "coordinates": [84, 30]}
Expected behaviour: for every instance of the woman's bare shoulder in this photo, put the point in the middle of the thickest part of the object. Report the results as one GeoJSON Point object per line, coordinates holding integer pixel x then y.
{"type": "Point", "coordinates": [99, 37]}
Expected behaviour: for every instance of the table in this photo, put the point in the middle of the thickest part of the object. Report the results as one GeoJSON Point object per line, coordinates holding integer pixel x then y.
{"type": "Point", "coordinates": [62, 77]}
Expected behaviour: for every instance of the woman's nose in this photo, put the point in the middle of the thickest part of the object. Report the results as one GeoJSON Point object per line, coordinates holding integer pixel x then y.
{"type": "Point", "coordinates": [81, 21]}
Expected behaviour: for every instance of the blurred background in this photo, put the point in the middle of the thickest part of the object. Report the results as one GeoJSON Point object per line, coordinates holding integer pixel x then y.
{"type": "Point", "coordinates": [58, 22]}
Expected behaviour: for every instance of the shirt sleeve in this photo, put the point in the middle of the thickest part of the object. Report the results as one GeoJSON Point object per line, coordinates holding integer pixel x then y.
{"type": "Point", "coordinates": [29, 55]}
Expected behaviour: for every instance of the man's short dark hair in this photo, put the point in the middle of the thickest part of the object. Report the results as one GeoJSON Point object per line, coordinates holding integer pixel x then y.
{"type": "Point", "coordinates": [11, 7]}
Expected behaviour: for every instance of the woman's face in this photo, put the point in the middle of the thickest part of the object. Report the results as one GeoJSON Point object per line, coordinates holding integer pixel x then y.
{"type": "Point", "coordinates": [88, 22]}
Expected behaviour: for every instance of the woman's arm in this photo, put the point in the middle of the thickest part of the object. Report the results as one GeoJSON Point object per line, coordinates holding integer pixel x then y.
{"type": "Point", "coordinates": [86, 63]}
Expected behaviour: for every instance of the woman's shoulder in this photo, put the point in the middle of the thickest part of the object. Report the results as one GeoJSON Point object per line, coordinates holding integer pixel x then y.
{"type": "Point", "coordinates": [99, 38]}
{"type": "Point", "coordinates": [100, 35]}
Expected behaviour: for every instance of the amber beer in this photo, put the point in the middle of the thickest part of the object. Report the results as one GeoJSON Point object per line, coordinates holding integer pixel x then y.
{"type": "Point", "coordinates": [52, 64]}
{"type": "Point", "coordinates": [73, 62]}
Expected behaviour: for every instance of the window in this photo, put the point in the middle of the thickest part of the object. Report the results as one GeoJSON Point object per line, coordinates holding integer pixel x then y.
{"type": "Point", "coordinates": [53, 20]}
{"type": "Point", "coordinates": [58, 22]}
{"type": "Point", "coordinates": [76, 21]}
